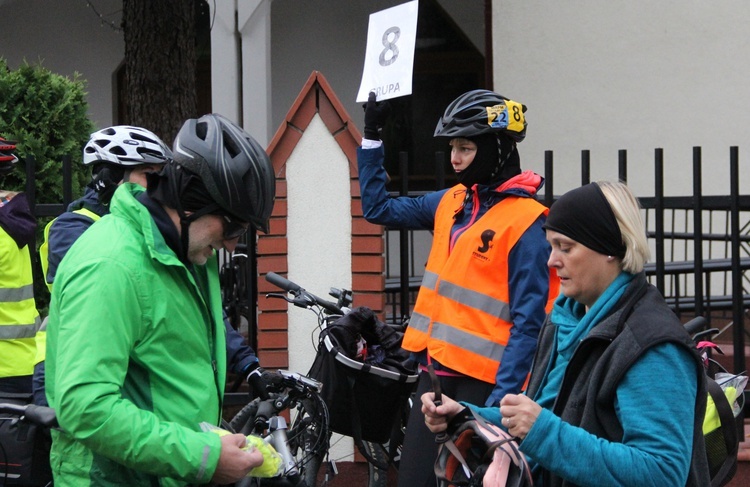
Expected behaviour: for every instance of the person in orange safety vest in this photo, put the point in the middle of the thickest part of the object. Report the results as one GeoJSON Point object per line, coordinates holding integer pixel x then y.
{"type": "Point", "coordinates": [486, 287]}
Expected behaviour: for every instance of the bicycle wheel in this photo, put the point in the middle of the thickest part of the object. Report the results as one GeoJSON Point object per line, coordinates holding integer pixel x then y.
{"type": "Point", "coordinates": [309, 436]}
{"type": "Point", "coordinates": [377, 477]}
{"type": "Point", "coordinates": [242, 422]}
{"type": "Point", "coordinates": [389, 453]}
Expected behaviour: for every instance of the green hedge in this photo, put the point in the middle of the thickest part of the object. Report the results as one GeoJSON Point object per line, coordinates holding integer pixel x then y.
{"type": "Point", "coordinates": [47, 115]}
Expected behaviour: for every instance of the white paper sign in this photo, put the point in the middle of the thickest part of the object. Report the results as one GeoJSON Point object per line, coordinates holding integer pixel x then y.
{"type": "Point", "coordinates": [389, 59]}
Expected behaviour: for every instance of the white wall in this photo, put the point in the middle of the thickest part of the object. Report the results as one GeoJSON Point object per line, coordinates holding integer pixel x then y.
{"type": "Point", "coordinates": [319, 229]}
{"type": "Point", "coordinates": [628, 74]}
{"type": "Point", "coordinates": [68, 37]}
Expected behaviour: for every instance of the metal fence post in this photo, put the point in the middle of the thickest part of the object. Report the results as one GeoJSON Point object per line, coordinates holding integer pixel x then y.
{"type": "Point", "coordinates": [403, 161]}
{"type": "Point", "coordinates": [585, 167]}
{"type": "Point", "coordinates": [659, 216]}
{"type": "Point", "coordinates": [549, 195]}
{"type": "Point", "coordinates": [698, 231]}
{"type": "Point", "coordinates": [622, 165]}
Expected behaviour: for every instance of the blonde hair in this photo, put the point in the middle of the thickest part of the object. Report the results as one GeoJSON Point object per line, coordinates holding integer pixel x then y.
{"type": "Point", "coordinates": [627, 211]}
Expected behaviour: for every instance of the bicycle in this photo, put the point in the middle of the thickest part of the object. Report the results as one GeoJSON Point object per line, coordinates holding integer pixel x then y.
{"type": "Point", "coordinates": [302, 444]}
{"type": "Point", "coordinates": [722, 437]}
{"type": "Point", "coordinates": [343, 404]}
{"type": "Point", "coordinates": [25, 441]}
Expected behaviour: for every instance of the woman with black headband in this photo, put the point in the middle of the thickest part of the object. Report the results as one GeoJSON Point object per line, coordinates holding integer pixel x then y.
{"type": "Point", "coordinates": [591, 414]}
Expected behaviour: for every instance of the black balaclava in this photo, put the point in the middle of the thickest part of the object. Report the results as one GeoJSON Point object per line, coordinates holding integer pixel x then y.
{"type": "Point", "coordinates": [495, 162]}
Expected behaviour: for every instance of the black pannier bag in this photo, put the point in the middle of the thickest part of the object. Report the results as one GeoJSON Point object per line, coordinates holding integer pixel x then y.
{"type": "Point", "coordinates": [365, 394]}
{"type": "Point", "coordinates": [24, 447]}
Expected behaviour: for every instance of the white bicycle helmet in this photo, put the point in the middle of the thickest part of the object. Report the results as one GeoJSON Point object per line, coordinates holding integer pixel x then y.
{"type": "Point", "coordinates": [124, 145]}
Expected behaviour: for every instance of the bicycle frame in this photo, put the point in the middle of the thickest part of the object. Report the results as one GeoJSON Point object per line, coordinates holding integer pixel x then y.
{"type": "Point", "coordinates": [303, 443]}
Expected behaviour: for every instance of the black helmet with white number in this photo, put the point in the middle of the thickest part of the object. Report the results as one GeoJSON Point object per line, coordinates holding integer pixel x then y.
{"type": "Point", "coordinates": [8, 159]}
{"type": "Point", "coordinates": [479, 112]}
{"type": "Point", "coordinates": [123, 145]}
{"type": "Point", "coordinates": [235, 169]}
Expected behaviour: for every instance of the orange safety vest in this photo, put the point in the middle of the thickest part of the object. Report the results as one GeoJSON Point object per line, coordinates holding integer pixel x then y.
{"type": "Point", "coordinates": [462, 314]}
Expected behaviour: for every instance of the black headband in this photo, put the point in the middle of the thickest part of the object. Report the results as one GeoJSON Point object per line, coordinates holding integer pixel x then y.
{"type": "Point", "coordinates": [584, 214]}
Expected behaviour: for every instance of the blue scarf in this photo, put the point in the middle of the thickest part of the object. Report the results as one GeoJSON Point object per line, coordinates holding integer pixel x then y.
{"type": "Point", "coordinates": [573, 325]}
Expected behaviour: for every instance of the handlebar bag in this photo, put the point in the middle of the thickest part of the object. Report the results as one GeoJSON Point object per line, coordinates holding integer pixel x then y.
{"type": "Point", "coordinates": [364, 401]}
{"type": "Point", "coordinates": [24, 447]}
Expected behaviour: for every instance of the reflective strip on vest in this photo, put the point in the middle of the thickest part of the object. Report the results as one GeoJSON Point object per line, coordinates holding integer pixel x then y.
{"type": "Point", "coordinates": [16, 294]}
{"type": "Point", "coordinates": [476, 300]}
{"type": "Point", "coordinates": [15, 332]}
{"type": "Point", "coordinates": [420, 322]}
{"type": "Point", "coordinates": [429, 280]}
{"type": "Point", "coordinates": [450, 334]}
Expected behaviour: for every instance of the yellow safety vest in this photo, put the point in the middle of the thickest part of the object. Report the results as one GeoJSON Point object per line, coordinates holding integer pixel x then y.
{"type": "Point", "coordinates": [41, 336]}
{"type": "Point", "coordinates": [19, 319]}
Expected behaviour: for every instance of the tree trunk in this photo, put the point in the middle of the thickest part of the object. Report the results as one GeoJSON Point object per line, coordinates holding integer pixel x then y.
{"type": "Point", "coordinates": [160, 64]}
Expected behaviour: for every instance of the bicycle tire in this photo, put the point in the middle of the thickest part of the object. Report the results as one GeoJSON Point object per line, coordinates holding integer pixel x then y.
{"type": "Point", "coordinates": [309, 435]}
{"type": "Point", "coordinates": [242, 422]}
{"type": "Point", "coordinates": [377, 477]}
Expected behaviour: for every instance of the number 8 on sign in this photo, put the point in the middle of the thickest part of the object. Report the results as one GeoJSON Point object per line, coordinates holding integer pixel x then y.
{"type": "Point", "coordinates": [389, 57]}
{"type": "Point", "coordinates": [390, 46]}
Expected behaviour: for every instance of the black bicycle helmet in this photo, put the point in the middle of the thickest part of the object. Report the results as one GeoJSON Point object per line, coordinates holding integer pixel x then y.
{"type": "Point", "coordinates": [234, 168]}
{"type": "Point", "coordinates": [8, 160]}
{"type": "Point", "coordinates": [482, 111]}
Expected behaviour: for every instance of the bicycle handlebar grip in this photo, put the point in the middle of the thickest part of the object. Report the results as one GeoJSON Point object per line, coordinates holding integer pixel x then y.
{"type": "Point", "coordinates": [41, 415]}
{"type": "Point", "coordinates": [282, 283]}
{"type": "Point", "coordinates": [695, 325]}
{"type": "Point", "coordinates": [272, 377]}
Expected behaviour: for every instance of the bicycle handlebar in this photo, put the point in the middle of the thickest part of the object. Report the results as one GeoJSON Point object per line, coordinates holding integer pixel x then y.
{"type": "Point", "coordinates": [285, 378]}
{"type": "Point", "coordinates": [40, 415]}
{"type": "Point", "coordinates": [302, 298]}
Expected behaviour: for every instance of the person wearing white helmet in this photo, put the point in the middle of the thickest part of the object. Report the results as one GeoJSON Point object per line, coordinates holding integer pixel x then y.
{"type": "Point", "coordinates": [136, 357]}
{"type": "Point", "coordinates": [118, 155]}
{"type": "Point", "coordinates": [115, 154]}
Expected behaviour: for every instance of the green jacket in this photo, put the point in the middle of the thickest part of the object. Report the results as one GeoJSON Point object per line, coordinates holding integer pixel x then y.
{"type": "Point", "coordinates": [135, 357]}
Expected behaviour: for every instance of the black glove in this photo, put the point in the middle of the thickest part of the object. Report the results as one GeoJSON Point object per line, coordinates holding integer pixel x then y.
{"type": "Point", "coordinates": [258, 386]}
{"type": "Point", "coordinates": [376, 113]}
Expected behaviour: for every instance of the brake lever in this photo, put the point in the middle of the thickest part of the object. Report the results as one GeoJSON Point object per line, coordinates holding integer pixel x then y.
{"type": "Point", "coordinates": [438, 400]}
{"type": "Point", "coordinates": [301, 300]}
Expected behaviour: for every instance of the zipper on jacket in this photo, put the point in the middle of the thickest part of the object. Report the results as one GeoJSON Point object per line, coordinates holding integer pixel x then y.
{"type": "Point", "coordinates": [472, 219]}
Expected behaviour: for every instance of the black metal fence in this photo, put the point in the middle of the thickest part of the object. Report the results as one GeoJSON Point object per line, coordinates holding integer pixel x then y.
{"type": "Point", "coordinates": [700, 248]}
{"type": "Point", "coordinates": [700, 243]}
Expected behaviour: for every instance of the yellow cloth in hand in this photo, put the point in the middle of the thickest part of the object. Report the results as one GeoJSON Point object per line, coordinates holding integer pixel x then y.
{"type": "Point", "coordinates": [271, 465]}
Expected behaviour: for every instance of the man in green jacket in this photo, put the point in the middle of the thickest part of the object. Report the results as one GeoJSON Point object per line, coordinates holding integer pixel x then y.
{"type": "Point", "coordinates": [135, 341]}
